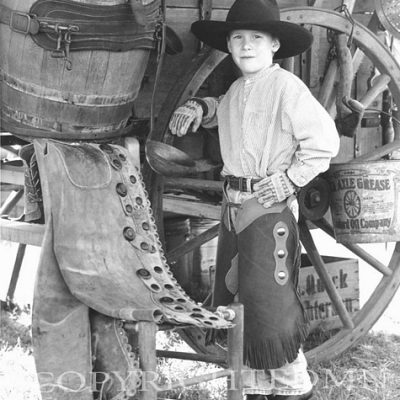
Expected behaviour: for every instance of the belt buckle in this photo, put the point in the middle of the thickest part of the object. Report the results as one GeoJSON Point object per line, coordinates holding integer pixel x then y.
{"type": "Point", "coordinates": [14, 22]}
{"type": "Point", "coordinates": [244, 184]}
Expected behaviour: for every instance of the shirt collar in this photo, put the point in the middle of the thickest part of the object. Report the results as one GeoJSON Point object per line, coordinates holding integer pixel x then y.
{"type": "Point", "coordinates": [261, 74]}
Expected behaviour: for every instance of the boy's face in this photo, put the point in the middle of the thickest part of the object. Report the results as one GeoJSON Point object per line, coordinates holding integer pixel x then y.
{"type": "Point", "coordinates": [252, 50]}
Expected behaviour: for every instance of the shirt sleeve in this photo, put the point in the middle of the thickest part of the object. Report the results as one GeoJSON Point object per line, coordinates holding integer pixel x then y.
{"type": "Point", "coordinates": [210, 120]}
{"type": "Point", "coordinates": [315, 132]}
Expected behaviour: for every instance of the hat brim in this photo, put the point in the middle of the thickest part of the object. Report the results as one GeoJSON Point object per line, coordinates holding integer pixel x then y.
{"type": "Point", "coordinates": [294, 39]}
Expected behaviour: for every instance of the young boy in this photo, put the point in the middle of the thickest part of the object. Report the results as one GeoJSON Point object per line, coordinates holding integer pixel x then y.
{"type": "Point", "coordinates": [275, 138]}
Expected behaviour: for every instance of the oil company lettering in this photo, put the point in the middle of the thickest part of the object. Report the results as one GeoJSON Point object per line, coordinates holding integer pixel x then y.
{"type": "Point", "coordinates": [363, 223]}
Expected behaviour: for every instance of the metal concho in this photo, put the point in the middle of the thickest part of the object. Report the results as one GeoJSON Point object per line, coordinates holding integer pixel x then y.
{"type": "Point", "coordinates": [281, 233]}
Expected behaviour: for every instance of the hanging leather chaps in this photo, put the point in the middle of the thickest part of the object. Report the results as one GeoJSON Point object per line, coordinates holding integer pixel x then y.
{"type": "Point", "coordinates": [101, 263]}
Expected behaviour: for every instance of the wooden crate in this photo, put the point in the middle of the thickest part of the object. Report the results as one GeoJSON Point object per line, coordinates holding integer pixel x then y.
{"type": "Point", "coordinates": [345, 275]}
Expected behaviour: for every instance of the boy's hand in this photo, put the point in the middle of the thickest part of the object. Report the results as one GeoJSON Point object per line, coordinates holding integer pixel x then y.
{"type": "Point", "coordinates": [184, 116]}
{"type": "Point", "coordinates": [273, 189]}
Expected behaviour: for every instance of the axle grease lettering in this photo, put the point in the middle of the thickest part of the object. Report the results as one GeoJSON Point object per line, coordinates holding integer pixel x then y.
{"type": "Point", "coordinates": [361, 183]}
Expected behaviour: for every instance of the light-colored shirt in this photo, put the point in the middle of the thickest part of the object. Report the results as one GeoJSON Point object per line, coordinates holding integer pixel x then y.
{"type": "Point", "coordinates": [271, 122]}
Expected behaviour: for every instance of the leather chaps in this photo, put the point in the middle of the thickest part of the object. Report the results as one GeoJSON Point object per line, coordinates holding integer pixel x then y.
{"type": "Point", "coordinates": [101, 263]}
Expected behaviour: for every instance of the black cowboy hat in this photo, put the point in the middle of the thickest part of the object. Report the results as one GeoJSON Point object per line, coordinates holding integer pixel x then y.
{"type": "Point", "coordinates": [259, 15]}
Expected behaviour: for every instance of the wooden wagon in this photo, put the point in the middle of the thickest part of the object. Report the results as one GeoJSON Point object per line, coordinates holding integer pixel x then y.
{"type": "Point", "coordinates": [188, 184]}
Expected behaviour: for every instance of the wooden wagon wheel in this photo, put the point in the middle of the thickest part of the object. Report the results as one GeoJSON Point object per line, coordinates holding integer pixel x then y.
{"type": "Point", "coordinates": [353, 328]}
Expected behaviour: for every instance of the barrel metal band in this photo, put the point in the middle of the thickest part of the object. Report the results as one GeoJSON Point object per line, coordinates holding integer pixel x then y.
{"type": "Point", "coordinates": [15, 118]}
{"type": "Point", "coordinates": [65, 97]}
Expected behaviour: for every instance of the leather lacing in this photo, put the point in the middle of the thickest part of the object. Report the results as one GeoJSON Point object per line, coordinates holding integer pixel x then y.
{"type": "Point", "coordinates": [133, 381]}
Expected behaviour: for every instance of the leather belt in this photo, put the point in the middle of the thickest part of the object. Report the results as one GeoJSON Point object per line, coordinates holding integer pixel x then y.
{"type": "Point", "coordinates": [241, 183]}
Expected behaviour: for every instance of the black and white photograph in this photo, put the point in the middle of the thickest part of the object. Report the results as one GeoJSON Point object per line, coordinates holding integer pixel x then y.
{"type": "Point", "coordinates": [199, 199]}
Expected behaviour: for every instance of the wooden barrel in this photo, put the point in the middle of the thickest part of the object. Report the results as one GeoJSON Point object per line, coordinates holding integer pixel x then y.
{"type": "Point", "coordinates": [40, 97]}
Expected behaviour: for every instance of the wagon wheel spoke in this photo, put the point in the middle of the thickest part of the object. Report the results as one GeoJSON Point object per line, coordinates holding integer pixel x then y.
{"type": "Point", "coordinates": [380, 151]}
{"type": "Point", "coordinates": [327, 86]}
{"type": "Point", "coordinates": [379, 85]}
{"type": "Point", "coordinates": [13, 198]}
{"type": "Point", "coordinates": [324, 225]}
{"type": "Point", "coordinates": [322, 272]}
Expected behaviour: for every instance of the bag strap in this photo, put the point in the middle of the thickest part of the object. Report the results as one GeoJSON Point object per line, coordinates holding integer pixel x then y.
{"type": "Point", "coordinates": [62, 26]}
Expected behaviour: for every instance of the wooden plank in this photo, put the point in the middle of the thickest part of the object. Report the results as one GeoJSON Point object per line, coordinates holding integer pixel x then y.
{"type": "Point", "coordinates": [21, 232]}
{"type": "Point", "coordinates": [148, 360]}
{"type": "Point", "coordinates": [224, 4]}
{"type": "Point", "coordinates": [235, 353]}
{"type": "Point", "coordinates": [379, 152]}
{"type": "Point", "coordinates": [189, 207]}
{"type": "Point", "coordinates": [9, 187]}
{"type": "Point", "coordinates": [16, 270]}
{"type": "Point", "coordinates": [12, 174]}
{"type": "Point", "coordinates": [190, 183]}
{"type": "Point", "coordinates": [193, 244]}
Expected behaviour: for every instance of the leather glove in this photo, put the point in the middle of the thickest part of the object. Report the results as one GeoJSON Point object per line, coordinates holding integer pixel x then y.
{"type": "Point", "coordinates": [184, 116]}
{"type": "Point", "coordinates": [273, 189]}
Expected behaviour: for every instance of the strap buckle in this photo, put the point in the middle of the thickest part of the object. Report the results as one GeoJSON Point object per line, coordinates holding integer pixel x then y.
{"type": "Point", "coordinates": [64, 40]}
{"type": "Point", "coordinates": [23, 23]}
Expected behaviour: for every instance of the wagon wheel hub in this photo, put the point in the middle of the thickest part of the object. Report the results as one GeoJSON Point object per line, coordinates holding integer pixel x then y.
{"type": "Point", "coordinates": [314, 199]}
